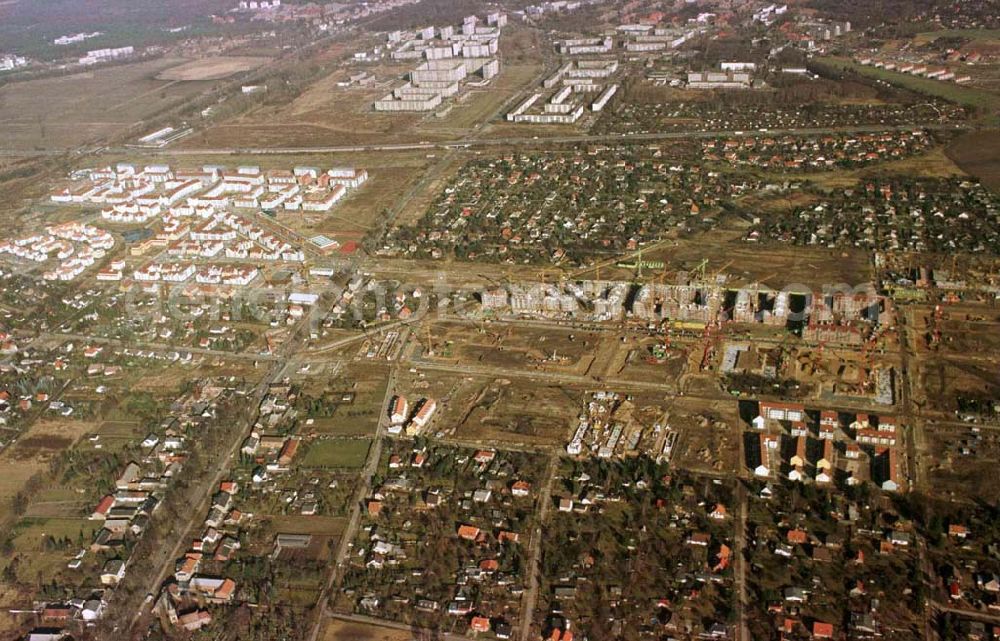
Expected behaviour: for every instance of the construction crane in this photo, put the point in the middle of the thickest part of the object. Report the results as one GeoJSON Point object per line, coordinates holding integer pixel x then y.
{"type": "Point", "coordinates": [430, 343]}
{"type": "Point", "coordinates": [720, 270]}
{"type": "Point", "coordinates": [700, 268]}
{"type": "Point", "coordinates": [640, 263]}
{"type": "Point", "coordinates": [763, 281]}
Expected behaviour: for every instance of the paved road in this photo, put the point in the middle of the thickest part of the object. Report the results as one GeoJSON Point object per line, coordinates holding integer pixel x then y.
{"type": "Point", "coordinates": [535, 549]}
{"type": "Point", "coordinates": [906, 409]}
{"type": "Point", "coordinates": [475, 141]}
{"type": "Point", "coordinates": [202, 495]}
{"type": "Point", "coordinates": [968, 614]}
{"type": "Point", "coordinates": [161, 347]}
{"type": "Point", "coordinates": [739, 563]}
{"type": "Point", "coordinates": [354, 522]}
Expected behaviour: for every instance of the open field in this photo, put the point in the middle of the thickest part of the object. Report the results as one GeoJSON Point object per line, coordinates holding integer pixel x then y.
{"type": "Point", "coordinates": [940, 379]}
{"type": "Point", "coordinates": [964, 461]}
{"type": "Point", "coordinates": [950, 91]}
{"type": "Point", "coordinates": [978, 154]}
{"type": "Point", "coordinates": [328, 114]}
{"type": "Point", "coordinates": [36, 114]}
{"type": "Point", "coordinates": [504, 129]}
{"type": "Point", "coordinates": [709, 434]}
{"type": "Point", "coordinates": [935, 163]}
{"type": "Point", "coordinates": [333, 426]}
{"type": "Point", "coordinates": [214, 68]}
{"type": "Point", "coordinates": [498, 411]}
{"type": "Point", "coordinates": [388, 183]}
{"type": "Point", "coordinates": [35, 557]}
{"type": "Point", "coordinates": [423, 191]}
{"type": "Point", "coordinates": [318, 525]}
{"type": "Point", "coordinates": [358, 417]}
{"type": "Point", "coordinates": [517, 348]}
{"type": "Point", "coordinates": [974, 35]}
{"type": "Point", "coordinates": [337, 453]}
{"type": "Point", "coordinates": [337, 630]}
{"type": "Point", "coordinates": [168, 380]}
{"type": "Point", "coordinates": [633, 360]}
{"type": "Point", "coordinates": [748, 263]}
{"type": "Point", "coordinates": [33, 452]}
{"type": "Point", "coordinates": [324, 114]}
{"type": "Point", "coordinates": [519, 411]}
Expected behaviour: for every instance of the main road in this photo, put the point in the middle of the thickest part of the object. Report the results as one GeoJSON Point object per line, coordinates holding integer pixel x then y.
{"type": "Point", "coordinates": [203, 492]}
{"type": "Point", "coordinates": [477, 141]}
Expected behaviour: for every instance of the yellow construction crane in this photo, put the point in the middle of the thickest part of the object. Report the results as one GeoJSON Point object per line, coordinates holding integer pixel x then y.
{"type": "Point", "coordinates": [699, 269]}
{"type": "Point", "coordinates": [720, 270]}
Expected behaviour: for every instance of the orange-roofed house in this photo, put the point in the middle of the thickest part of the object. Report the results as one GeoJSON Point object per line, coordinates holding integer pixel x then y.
{"type": "Point", "coordinates": [288, 451]}
{"type": "Point", "coordinates": [480, 624]}
{"type": "Point", "coordinates": [226, 591]}
{"type": "Point", "coordinates": [374, 508]}
{"type": "Point", "coordinates": [229, 487]}
{"type": "Point", "coordinates": [520, 488]}
{"type": "Point", "coordinates": [187, 568]}
{"type": "Point", "coordinates": [489, 565]}
{"type": "Point", "coordinates": [725, 554]}
{"type": "Point", "coordinates": [468, 532]}
{"type": "Point", "coordinates": [822, 630]}
{"type": "Point", "coordinates": [194, 621]}
{"type": "Point", "coordinates": [797, 536]}
{"type": "Point", "coordinates": [505, 536]}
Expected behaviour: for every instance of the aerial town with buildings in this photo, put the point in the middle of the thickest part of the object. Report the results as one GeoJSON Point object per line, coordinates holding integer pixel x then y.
{"type": "Point", "coordinates": [561, 320]}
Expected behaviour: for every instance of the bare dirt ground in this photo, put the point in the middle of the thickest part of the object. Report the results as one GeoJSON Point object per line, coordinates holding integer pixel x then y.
{"type": "Point", "coordinates": [214, 68]}
{"type": "Point", "coordinates": [348, 631]}
{"type": "Point", "coordinates": [978, 154]}
{"type": "Point", "coordinates": [772, 265]}
{"type": "Point", "coordinates": [36, 114]}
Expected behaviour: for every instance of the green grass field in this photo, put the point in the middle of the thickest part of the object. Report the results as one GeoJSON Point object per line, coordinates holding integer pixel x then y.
{"type": "Point", "coordinates": [968, 96]}
{"type": "Point", "coordinates": [337, 453]}
{"type": "Point", "coordinates": [36, 558]}
{"type": "Point", "coordinates": [976, 35]}
{"type": "Point", "coordinates": [333, 426]}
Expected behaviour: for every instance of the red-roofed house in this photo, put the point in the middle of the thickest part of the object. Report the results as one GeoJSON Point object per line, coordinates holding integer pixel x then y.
{"type": "Point", "coordinates": [484, 456]}
{"type": "Point", "coordinates": [480, 624]}
{"type": "Point", "coordinates": [102, 509]}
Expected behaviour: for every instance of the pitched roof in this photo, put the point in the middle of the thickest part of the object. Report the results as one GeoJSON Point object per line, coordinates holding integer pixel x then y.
{"type": "Point", "coordinates": [822, 630]}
